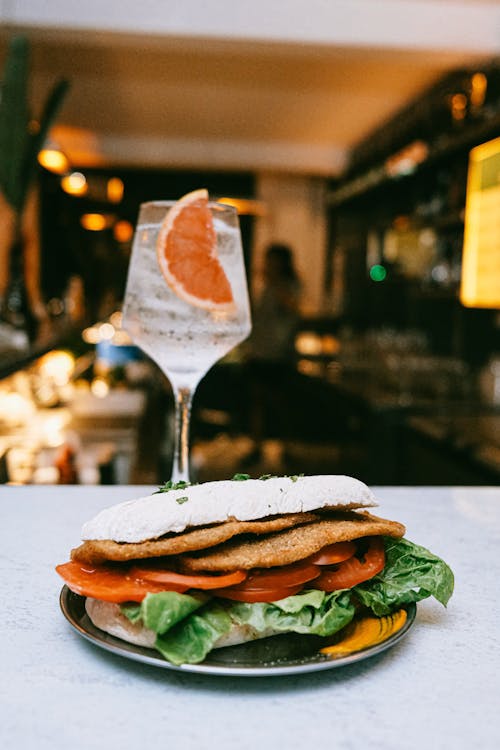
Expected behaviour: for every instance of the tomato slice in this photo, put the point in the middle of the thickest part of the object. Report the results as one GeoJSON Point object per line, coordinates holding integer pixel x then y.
{"type": "Point", "coordinates": [353, 571]}
{"type": "Point", "coordinates": [109, 584]}
{"type": "Point", "coordinates": [334, 553]}
{"type": "Point", "coordinates": [284, 577]}
{"type": "Point", "coordinates": [204, 582]}
{"type": "Point", "coordinates": [272, 584]}
{"type": "Point", "coordinates": [258, 595]}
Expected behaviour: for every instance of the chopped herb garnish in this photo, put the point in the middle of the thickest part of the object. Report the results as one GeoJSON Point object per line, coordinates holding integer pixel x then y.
{"type": "Point", "coordinates": [263, 477]}
{"type": "Point", "coordinates": [182, 499]}
{"type": "Point", "coordinates": [170, 485]}
{"type": "Point", "coordinates": [294, 477]}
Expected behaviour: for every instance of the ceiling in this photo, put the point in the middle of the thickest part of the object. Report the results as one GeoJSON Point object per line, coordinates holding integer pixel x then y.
{"type": "Point", "coordinates": [162, 99]}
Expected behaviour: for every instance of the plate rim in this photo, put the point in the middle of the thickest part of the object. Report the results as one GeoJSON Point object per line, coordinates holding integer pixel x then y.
{"type": "Point", "coordinates": [317, 662]}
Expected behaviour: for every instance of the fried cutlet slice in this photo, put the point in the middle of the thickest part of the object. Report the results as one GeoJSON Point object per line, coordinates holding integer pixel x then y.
{"type": "Point", "coordinates": [284, 547]}
{"type": "Point", "coordinates": [95, 552]}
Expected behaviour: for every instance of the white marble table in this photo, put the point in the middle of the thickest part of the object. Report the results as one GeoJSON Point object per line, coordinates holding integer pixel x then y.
{"type": "Point", "coordinates": [438, 688]}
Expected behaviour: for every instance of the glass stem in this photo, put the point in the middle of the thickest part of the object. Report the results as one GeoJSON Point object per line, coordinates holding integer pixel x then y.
{"type": "Point", "coordinates": [183, 401]}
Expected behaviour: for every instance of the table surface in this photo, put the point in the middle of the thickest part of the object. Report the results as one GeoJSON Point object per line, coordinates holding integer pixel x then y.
{"type": "Point", "coordinates": [437, 688]}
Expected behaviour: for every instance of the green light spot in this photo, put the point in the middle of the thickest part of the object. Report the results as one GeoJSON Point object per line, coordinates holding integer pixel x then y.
{"type": "Point", "coordinates": [377, 273]}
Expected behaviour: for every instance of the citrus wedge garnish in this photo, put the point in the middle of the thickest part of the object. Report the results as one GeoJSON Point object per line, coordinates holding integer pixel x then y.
{"type": "Point", "coordinates": [187, 254]}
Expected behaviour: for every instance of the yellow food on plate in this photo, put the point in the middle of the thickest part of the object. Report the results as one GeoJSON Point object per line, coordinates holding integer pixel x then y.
{"type": "Point", "coordinates": [367, 631]}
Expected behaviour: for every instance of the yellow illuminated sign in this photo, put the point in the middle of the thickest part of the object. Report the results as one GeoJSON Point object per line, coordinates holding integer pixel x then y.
{"type": "Point", "coordinates": [480, 285]}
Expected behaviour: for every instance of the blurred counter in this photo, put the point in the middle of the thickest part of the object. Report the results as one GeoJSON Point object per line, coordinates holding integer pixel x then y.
{"type": "Point", "coordinates": [422, 440]}
{"type": "Point", "coordinates": [88, 440]}
{"type": "Point", "coordinates": [423, 426]}
{"type": "Point", "coordinates": [466, 448]}
{"type": "Point", "coordinates": [63, 422]}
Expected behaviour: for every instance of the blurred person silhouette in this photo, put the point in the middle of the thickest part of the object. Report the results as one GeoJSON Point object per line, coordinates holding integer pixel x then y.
{"type": "Point", "coordinates": [271, 351]}
{"type": "Point", "coordinates": [275, 313]}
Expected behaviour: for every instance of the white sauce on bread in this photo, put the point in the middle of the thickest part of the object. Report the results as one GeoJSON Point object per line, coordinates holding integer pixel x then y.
{"type": "Point", "coordinates": [214, 502]}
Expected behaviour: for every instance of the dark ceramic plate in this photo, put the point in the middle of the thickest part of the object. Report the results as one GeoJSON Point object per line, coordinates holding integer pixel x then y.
{"type": "Point", "coordinates": [279, 655]}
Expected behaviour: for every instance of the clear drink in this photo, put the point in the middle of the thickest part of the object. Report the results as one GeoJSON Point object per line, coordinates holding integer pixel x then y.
{"type": "Point", "coordinates": [183, 338]}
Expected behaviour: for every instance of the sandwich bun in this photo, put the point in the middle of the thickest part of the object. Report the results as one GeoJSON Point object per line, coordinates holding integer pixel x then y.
{"type": "Point", "coordinates": [174, 511]}
{"type": "Point", "coordinates": [108, 617]}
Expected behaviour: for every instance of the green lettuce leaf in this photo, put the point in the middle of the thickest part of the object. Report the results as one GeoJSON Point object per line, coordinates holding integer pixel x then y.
{"type": "Point", "coordinates": [187, 631]}
{"type": "Point", "coordinates": [191, 640]}
{"type": "Point", "coordinates": [310, 612]}
{"type": "Point", "coordinates": [411, 573]}
{"type": "Point", "coordinates": [188, 626]}
{"type": "Point", "coordinates": [160, 612]}
{"type": "Point", "coordinates": [132, 611]}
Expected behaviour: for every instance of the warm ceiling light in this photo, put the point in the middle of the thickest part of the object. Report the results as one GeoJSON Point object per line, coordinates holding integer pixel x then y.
{"type": "Point", "coordinates": [479, 84]}
{"type": "Point", "coordinates": [58, 366]}
{"type": "Point", "coordinates": [115, 189]}
{"type": "Point", "coordinates": [99, 387]}
{"type": "Point", "coordinates": [54, 160]}
{"type": "Point", "coordinates": [480, 282]}
{"type": "Point", "coordinates": [106, 331]}
{"type": "Point", "coordinates": [123, 231]}
{"type": "Point", "coordinates": [74, 183]}
{"type": "Point", "coordinates": [91, 335]}
{"type": "Point", "coordinates": [245, 205]}
{"type": "Point", "coordinates": [308, 343]}
{"type": "Point", "coordinates": [94, 222]}
{"type": "Point", "coordinates": [458, 106]}
{"type": "Point", "coordinates": [116, 319]}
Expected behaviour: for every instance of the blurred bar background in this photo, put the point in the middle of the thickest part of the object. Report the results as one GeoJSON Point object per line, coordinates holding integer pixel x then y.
{"type": "Point", "coordinates": [366, 140]}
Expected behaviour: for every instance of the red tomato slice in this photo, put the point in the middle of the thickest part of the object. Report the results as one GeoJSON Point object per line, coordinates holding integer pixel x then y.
{"type": "Point", "coordinates": [257, 595]}
{"type": "Point", "coordinates": [284, 577]}
{"type": "Point", "coordinates": [109, 584]}
{"type": "Point", "coordinates": [354, 571]}
{"type": "Point", "coordinates": [334, 553]}
{"type": "Point", "coordinates": [204, 582]}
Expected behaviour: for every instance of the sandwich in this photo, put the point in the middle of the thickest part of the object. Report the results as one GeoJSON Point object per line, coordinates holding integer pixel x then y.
{"type": "Point", "coordinates": [192, 568]}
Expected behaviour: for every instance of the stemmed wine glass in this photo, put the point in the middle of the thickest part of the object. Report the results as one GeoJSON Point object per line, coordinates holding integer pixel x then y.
{"type": "Point", "coordinates": [168, 310]}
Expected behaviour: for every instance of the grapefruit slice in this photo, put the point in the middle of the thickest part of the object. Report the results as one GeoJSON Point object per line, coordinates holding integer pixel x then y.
{"type": "Point", "coordinates": [187, 254]}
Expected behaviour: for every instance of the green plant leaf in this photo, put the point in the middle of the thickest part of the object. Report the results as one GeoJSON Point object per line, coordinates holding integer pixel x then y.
{"type": "Point", "coordinates": [37, 140]}
{"type": "Point", "coordinates": [14, 119]}
{"type": "Point", "coordinates": [19, 148]}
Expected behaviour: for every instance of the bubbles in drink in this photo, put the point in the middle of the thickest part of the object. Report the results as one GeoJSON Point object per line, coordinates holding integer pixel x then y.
{"type": "Point", "coordinates": [181, 337]}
